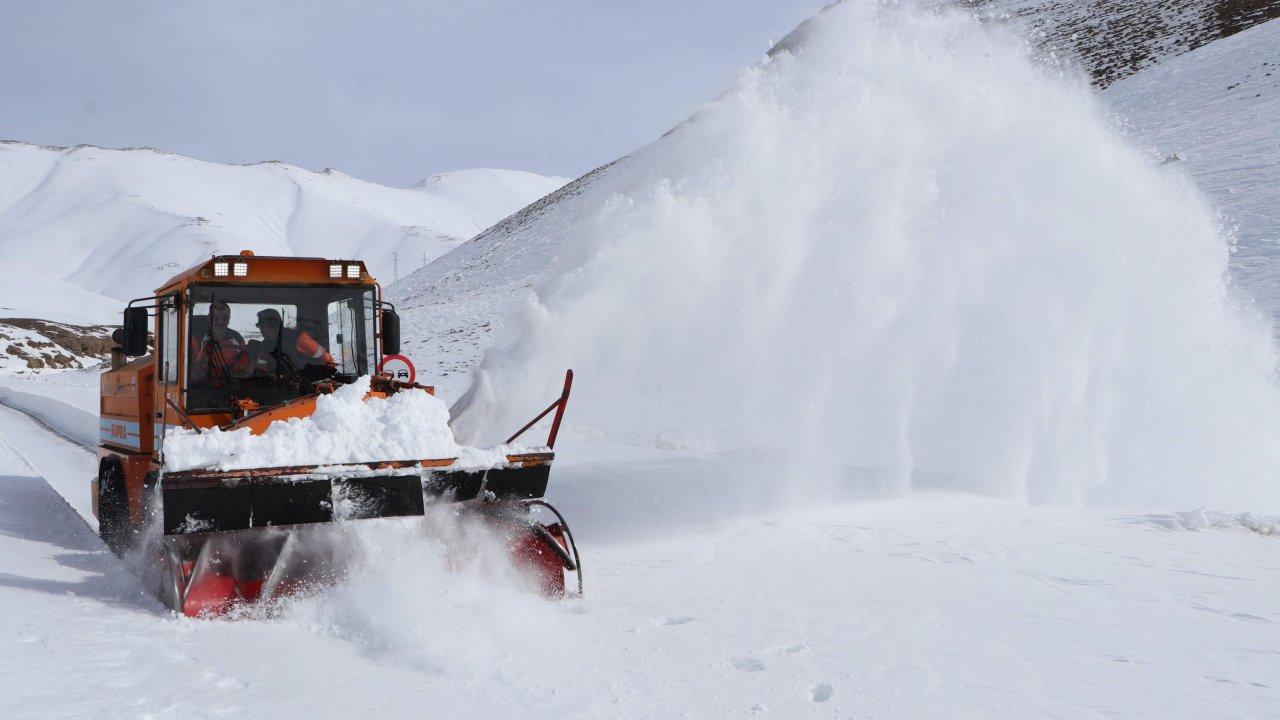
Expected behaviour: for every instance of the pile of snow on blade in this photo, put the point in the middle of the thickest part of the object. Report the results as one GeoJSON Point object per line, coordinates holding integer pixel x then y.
{"type": "Point", "coordinates": [898, 245]}
{"type": "Point", "coordinates": [345, 428]}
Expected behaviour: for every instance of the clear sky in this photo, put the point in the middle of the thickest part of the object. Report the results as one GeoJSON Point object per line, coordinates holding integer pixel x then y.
{"type": "Point", "coordinates": [391, 91]}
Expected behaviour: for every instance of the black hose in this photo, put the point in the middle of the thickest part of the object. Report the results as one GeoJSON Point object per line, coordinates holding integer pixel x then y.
{"type": "Point", "coordinates": [577, 559]}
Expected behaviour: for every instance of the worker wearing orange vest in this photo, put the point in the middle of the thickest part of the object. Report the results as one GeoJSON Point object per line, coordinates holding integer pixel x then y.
{"type": "Point", "coordinates": [221, 351]}
{"type": "Point", "coordinates": [296, 345]}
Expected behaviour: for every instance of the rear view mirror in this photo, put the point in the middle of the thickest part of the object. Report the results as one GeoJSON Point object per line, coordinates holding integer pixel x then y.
{"type": "Point", "coordinates": [390, 332]}
{"type": "Point", "coordinates": [135, 331]}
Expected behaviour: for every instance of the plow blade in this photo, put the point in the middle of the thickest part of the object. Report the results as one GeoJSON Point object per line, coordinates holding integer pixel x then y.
{"type": "Point", "coordinates": [246, 537]}
{"type": "Point", "coordinates": [210, 501]}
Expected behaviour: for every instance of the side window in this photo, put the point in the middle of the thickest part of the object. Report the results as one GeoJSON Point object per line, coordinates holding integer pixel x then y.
{"type": "Point", "coordinates": [342, 336]}
{"type": "Point", "coordinates": [368, 344]}
{"type": "Point", "coordinates": [169, 339]}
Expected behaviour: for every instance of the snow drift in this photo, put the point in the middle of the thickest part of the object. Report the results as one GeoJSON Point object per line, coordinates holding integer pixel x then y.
{"type": "Point", "coordinates": [896, 243]}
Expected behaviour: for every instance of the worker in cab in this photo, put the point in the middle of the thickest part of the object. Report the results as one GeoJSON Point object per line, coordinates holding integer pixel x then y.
{"type": "Point", "coordinates": [285, 351]}
{"type": "Point", "coordinates": [218, 354]}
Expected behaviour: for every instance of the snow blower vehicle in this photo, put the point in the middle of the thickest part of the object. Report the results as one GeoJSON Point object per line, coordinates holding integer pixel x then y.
{"type": "Point", "coordinates": [242, 342]}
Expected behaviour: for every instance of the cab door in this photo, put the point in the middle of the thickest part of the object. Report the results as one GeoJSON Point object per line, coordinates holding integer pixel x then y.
{"type": "Point", "coordinates": [168, 339]}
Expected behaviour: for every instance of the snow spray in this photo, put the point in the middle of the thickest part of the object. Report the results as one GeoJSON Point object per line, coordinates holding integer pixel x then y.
{"type": "Point", "coordinates": [899, 242]}
{"type": "Point", "coordinates": [439, 594]}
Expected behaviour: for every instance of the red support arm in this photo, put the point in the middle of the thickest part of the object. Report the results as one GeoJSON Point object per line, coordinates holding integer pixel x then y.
{"type": "Point", "coordinates": [559, 406]}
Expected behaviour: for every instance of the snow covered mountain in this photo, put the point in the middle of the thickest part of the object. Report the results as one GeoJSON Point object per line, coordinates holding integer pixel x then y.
{"type": "Point", "coordinates": [83, 228]}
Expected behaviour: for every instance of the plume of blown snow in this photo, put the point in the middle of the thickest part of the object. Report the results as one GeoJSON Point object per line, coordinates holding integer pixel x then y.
{"type": "Point", "coordinates": [898, 243]}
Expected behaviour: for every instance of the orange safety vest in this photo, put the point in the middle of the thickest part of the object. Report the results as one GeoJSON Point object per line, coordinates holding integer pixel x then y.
{"type": "Point", "coordinates": [313, 351]}
{"type": "Point", "coordinates": [305, 348]}
{"type": "Point", "coordinates": [230, 352]}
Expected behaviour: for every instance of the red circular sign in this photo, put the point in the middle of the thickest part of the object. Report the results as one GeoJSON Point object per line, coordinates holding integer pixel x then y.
{"type": "Point", "coordinates": [399, 367]}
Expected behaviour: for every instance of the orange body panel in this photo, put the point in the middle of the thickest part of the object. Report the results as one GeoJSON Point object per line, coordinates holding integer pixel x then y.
{"type": "Point", "coordinates": [126, 404]}
{"type": "Point", "coordinates": [126, 433]}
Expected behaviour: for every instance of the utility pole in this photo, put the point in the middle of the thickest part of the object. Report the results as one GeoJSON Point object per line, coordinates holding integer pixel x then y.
{"type": "Point", "coordinates": [424, 259]}
{"type": "Point", "coordinates": [395, 267]}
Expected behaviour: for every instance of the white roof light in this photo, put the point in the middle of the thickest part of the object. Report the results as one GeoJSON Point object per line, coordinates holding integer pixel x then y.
{"type": "Point", "coordinates": [241, 269]}
{"type": "Point", "coordinates": [335, 271]}
{"type": "Point", "coordinates": [221, 268]}
{"type": "Point", "coordinates": [353, 271]}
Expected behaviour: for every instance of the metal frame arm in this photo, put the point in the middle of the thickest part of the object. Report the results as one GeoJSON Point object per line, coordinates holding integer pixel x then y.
{"type": "Point", "coordinates": [559, 406]}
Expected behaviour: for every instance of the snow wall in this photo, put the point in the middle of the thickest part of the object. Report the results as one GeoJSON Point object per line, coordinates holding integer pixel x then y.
{"type": "Point", "coordinates": [898, 242]}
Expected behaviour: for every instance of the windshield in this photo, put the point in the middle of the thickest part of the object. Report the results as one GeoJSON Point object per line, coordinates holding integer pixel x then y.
{"type": "Point", "coordinates": [271, 343]}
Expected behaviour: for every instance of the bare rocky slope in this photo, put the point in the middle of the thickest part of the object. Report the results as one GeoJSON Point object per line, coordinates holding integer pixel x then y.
{"type": "Point", "coordinates": [1114, 39]}
{"type": "Point", "coordinates": [31, 344]}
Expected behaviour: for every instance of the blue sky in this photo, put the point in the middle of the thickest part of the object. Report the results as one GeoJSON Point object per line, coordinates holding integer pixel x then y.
{"type": "Point", "coordinates": [390, 91]}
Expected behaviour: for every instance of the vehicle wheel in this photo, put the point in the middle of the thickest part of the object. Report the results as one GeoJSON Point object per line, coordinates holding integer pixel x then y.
{"type": "Point", "coordinates": [113, 509]}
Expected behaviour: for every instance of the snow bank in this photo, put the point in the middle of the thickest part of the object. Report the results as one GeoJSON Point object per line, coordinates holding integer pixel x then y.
{"type": "Point", "coordinates": [1201, 519]}
{"type": "Point", "coordinates": [899, 243]}
{"type": "Point", "coordinates": [345, 428]}
{"type": "Point", "coordinates": [74, 423]}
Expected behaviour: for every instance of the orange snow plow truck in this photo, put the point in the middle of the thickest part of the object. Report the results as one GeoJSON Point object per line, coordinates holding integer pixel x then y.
{"type": "Point", "coordinates": [242, 341]}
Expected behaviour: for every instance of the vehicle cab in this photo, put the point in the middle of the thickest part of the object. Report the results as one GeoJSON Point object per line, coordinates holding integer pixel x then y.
{"type": "Point", "coordinates": [236, 339]}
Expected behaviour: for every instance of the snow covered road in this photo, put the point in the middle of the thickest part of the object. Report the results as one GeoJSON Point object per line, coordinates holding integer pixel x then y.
{"type": "Point", "coordinates": [929, 606]}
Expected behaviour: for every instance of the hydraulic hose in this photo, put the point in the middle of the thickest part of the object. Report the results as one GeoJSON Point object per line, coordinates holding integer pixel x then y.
{"type": "Point", "coordinates": [573, 546]}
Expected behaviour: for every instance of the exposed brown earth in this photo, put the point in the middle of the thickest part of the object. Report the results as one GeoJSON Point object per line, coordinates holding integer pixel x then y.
{"type": "Point", "coordinates": [42, 344]}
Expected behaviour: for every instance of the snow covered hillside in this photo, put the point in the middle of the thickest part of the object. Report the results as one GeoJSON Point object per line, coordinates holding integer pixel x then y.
{"type": "Point", "coordinates": [83, 228]}
{"type": "Point", "coordinates": [1217, 111]}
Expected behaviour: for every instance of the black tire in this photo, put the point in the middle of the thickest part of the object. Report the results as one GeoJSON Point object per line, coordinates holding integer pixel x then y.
{"type": "Point", "coordinates": [114, 526]}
